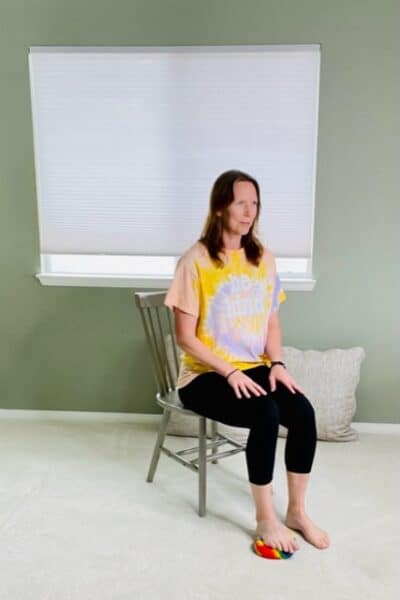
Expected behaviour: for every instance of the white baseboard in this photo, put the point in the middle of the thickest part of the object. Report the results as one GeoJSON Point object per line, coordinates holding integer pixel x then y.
{"type": "Point", "coordinates": [125, 417]}
{"type": "Point", "coordinates": [389, 428]}
{"type": "Point", "coordinates": [79, 415]}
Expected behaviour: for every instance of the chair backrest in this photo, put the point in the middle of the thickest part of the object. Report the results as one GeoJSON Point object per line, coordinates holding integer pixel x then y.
{"type": "Point", "coordinates": [158, 324]}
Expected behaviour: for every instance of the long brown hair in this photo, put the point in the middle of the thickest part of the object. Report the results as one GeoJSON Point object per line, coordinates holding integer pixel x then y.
{"type": "Point", "coordinates": [222, 195]}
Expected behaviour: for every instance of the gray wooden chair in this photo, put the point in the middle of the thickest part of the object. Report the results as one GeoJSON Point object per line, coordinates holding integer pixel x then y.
{"type": "Point", "coordinates": [158, 324]}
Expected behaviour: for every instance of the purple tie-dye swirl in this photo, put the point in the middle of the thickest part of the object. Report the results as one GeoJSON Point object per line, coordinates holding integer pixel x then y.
{"type": "Point", "coordinates": [277, 289]}
{"type": "Point", "coordinates": [235, 316]}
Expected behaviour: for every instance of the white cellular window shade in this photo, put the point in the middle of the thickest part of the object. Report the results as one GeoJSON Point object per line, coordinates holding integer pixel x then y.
{"type": "Point", "coordinates": [129, 140]}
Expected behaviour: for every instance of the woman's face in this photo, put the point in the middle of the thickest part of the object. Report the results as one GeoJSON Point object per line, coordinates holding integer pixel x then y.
{"type": "Point", "coordinates": [240, 214]}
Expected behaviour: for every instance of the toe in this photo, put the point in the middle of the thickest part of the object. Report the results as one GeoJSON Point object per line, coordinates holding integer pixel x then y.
{"type": "Point", "coordinates": [323, 543]}
{"type": "Point", "coordinates": [325, 539]}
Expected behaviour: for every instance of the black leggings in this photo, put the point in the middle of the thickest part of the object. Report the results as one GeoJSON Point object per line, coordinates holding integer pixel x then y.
{"type": "Point", "coordinates": [210, 395]}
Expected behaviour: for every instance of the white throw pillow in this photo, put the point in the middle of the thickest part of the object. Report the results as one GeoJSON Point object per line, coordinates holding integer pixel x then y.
{"type": "Point", "coordinates": [329, 379]}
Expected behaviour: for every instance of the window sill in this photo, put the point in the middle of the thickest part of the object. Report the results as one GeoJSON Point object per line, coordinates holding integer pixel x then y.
{"type": "Point", "coordinates": [303, 284]}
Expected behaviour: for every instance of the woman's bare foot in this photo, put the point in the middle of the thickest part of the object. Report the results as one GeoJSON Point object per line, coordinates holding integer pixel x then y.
{"type": "Point", "coordinates": [275, 534]}
{"type": "Point", "coordinates": [300, 521]}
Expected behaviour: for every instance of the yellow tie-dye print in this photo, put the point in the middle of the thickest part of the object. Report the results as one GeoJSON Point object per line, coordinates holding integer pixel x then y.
{"type": "Point", "coordinates": [232, 304]}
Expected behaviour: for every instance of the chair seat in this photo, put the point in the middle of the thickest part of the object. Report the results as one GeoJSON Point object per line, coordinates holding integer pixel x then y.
{"type": "Point", "coordinates": [172, 401]}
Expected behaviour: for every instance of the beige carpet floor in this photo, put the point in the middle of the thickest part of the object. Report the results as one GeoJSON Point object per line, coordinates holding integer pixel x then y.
{"type": "Point", "coordinates": [79, 521]}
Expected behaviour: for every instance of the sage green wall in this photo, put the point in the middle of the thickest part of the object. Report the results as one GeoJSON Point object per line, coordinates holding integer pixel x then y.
{"type": "Point", "coordinates": [83, 348]}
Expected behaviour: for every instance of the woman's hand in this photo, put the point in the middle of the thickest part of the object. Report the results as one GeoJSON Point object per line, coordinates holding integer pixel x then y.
{"type": "Point", "coordinates": [279, 373]}
{"type": "Point", "coordinates": [243, 383]}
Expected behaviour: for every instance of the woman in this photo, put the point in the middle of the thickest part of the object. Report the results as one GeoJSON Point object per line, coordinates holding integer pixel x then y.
{"type": "Point", "coordinates": [225, 296]}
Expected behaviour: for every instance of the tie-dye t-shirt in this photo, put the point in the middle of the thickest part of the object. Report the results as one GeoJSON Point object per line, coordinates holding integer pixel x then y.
{"type": "Point", "coordinates": [233, 305]}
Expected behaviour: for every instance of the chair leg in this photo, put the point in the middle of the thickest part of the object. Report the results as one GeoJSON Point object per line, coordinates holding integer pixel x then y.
{"type": "Point", "coordinates": [202, 466]}
{"type": "Point", "coordinates": [214, 432]}
{"type": "Point", "coordinates": [159, 443]}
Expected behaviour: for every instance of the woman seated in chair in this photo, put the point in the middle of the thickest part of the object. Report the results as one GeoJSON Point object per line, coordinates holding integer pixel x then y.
{"type": "Point", "coordinates": [225, 295]}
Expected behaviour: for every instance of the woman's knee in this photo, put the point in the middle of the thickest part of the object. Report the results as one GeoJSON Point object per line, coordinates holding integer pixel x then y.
{"type": "Point", "coordinates": [265, 413]}
{"type": "Point", "coordinates": [305, 406]}
{"type": "Point", "coordinates": [302, 410]}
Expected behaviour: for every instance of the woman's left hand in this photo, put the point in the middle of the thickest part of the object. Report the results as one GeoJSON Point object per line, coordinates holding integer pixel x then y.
{"type": "Point", "coordinates": [279, 373]}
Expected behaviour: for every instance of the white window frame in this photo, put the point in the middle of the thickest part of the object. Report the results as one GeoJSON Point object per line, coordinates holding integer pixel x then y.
{"type": "Point", "coordinates": [146, 272]}
{"type": "Point", "coordinates": [130, 271]}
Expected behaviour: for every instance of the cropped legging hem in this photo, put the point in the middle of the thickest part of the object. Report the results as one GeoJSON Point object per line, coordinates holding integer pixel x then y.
{"type": "Point", "coordinates": [211, 396]}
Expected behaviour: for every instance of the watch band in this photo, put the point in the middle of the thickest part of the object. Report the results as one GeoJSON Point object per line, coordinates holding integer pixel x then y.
{"type": "Point", "coordinates": [277, 362]}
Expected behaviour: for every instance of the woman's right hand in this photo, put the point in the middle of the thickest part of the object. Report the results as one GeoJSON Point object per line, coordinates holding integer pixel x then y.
{"type": "Point", "coordinates": [242, 383]}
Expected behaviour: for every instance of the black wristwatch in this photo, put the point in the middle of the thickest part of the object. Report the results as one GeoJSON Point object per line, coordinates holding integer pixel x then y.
{"type": "Point", "coordinates": [277, 362]}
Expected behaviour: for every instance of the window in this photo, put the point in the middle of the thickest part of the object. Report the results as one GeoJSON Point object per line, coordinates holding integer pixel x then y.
{"type": "Point", "coordinates": [129, 140]}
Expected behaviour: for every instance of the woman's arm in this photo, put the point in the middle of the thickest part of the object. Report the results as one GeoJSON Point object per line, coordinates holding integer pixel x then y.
{"type": "Point", "coordinates": [185, 331]}
{"type": "Point", "coordinates": [273, 347]}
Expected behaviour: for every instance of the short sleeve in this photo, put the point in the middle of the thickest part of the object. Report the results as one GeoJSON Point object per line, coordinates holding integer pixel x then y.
{"type": "Point", "coordinates": [279, 295]}
{"type": "Point", "coordinates": [184, 290]}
